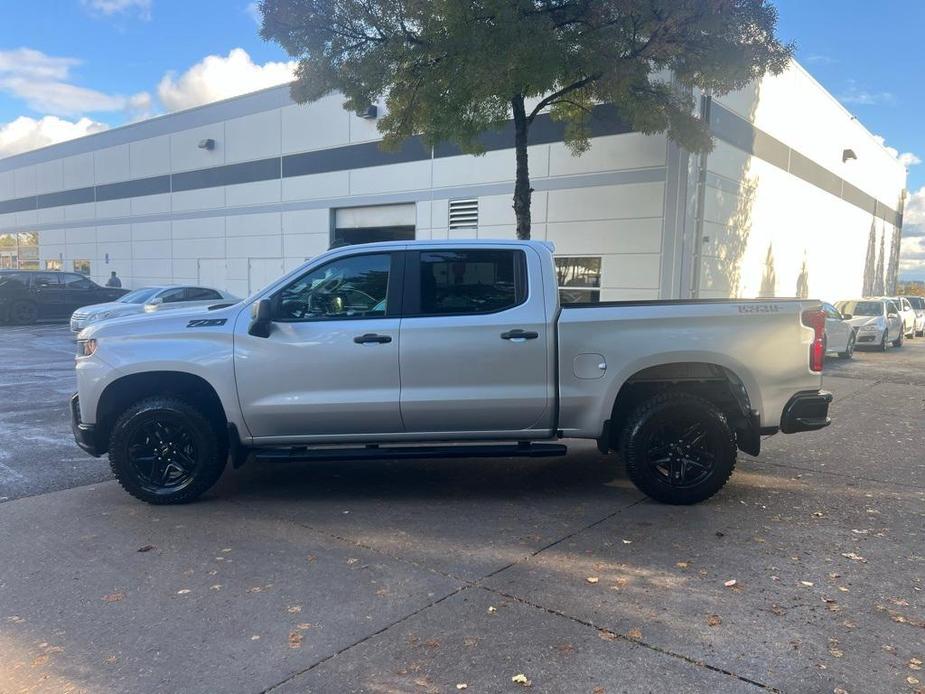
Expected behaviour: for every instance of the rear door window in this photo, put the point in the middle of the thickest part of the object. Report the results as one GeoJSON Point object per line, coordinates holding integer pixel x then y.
{"type": "Point", "coordinates": [470, 281]}
{"type": "Point", "coordinates": [202, 294]}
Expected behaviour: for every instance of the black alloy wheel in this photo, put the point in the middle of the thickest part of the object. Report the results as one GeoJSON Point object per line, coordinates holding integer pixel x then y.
{"type": "Point", "coordinates": [163, 453]}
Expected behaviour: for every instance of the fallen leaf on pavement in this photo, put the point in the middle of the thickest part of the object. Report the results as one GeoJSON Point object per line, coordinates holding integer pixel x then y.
{"type": "Point", "coordinates": [521, 679]}
{"type": "Point", "coordinates": [714, 621]}
{"type": "Point", "coordinates": [854, 557]}
{"type": "Point", "coordinates": [606, 635]}
{"type": "Point", "coordinates": [683, 564]}
{"type": "Point", "coordinates": [113, 597]}
{"type": "Point", "coordinates": [146, 548]}
{"type": "Point", "coordinates": [184, 591]}
{"type": "Point", "coordinates": [17, 620]}
{"type": "Point", "coordinates": [915, 664]}
{"type": "Point", "coordinates": [627, 542]}
{"type": "Point", "coordinates": [303, 626]}
{"type": "Point", "coordinates": [462, 685]}
{"type": "Point", "coordinates": [730, 583]}
{"type": "Point", "coordinates": [592, 579]}
{"type": "Point", "coordinates": [217, 586]}
{"type": "Point", "coordinates": [808, 584]}
{"type": "Point", "coordinates": [634, 634]}
{"type": "Point", "coordinates": [912, 680]}
{"type": "Point", "coordinates": [295, 639]}
{"type": "Point", "coordinates": [492, 610]}
{"type": "Point", "coordinates": [255, 637]}
{"type": "Point", "coordinates": [294, 609]}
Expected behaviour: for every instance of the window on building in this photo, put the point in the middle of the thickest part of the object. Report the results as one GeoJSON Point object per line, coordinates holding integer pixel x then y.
{"type": "Point", "coordinates": [53, 264]}
{"type": "Point", "coordinates": [82, 266]}
{"type": "Point", "coordinates": [476, 281]}
{"type": "Point", "coordinates": [579, 279]}
{"type": "Point", "coordinates": [355, 287]}
{"type": "Point", "coordinates": [373, 224]}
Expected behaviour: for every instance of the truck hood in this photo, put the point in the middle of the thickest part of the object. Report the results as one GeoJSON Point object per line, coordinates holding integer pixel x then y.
{"type": "Point", "coordinates": [141, 324]}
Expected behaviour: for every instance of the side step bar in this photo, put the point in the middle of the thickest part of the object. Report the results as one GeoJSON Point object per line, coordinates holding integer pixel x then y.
{"type": "Point", "coordinates": [376, 452]}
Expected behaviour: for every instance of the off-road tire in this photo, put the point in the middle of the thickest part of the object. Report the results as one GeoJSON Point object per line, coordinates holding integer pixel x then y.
{"type": "Point", "coordinates": [665, 409]}
{"type": "Point", "coordinates": [210, 452]}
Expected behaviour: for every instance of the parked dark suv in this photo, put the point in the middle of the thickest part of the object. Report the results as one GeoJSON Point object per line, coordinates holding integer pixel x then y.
{"type": "Point", "coordinates": [30, 295]}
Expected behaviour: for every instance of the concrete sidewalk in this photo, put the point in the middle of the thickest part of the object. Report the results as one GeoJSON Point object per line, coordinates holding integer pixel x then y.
{"type": "Point", "coordinates": [422, 575]}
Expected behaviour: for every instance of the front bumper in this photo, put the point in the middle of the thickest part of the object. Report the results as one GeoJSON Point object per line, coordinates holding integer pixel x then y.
{"type": "Point", "coordinates": [84, 434]}
{"type": "Point", "coordinates": [806, 411]}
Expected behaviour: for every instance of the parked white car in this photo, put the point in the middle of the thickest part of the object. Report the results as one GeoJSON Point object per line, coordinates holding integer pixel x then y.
{"type": "Point", "coordinates": [840, 334]}
{"type": "Point", "coordinates": [906, 312]}
{"type": "Point", "coordinates": [877, 322]}
{"type": "Point", "coordinates": [148, 300]}
{"type": "Point", "coordinates": [918, 303]}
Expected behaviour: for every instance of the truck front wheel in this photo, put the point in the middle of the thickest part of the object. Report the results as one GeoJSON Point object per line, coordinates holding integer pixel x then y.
{"type": "Point", "coordinates": [679, 448]}
{"type": "Point", "coordinates": [164, 451]}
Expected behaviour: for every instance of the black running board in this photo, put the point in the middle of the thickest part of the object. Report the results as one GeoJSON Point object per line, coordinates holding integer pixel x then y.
{"type": "Point", "coordinates": [376, 452]}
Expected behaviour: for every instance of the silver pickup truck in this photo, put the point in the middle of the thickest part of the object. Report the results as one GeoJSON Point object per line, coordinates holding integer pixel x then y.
{"type": "Point", "coordinates": [435, 349]}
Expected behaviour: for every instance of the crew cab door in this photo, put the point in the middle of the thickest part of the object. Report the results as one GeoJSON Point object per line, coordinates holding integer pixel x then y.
{"type": "Point", "coordinates": [329, 366]}
{"type": "Point", "coordinates": [474, 342]}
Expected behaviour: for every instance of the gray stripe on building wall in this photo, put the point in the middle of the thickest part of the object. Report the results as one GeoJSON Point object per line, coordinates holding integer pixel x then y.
{"type": "Point", "coordinates": [228, 175]}
{"type": "Point", "coordinates": [545, 130]}
{"type": "Point", "coordinates": [65, 197]}
{"type": "Point", "coordinates": [613, 178]}
{"type": "Point", "coordinates": [140, 187]}
{"type": "Point", "coordinates": [738, 132]}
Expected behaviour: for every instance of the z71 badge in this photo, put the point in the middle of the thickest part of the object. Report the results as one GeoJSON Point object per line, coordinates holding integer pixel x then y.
{"type": "Point", "coordinates": [206, 322]}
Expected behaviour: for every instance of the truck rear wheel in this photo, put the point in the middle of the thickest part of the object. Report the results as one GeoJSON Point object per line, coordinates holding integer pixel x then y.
{"type": "Point", "coordinates": [164, 451]}
{"type": "Point", "coordinates": [679, 448]}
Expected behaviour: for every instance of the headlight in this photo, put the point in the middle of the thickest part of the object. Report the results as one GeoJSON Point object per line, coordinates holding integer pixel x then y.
{"type": "Point", "coordinates": [870, 328]}
{"type": "Point", "coordinates": [99, 316]}
{"type": "Point", "coordinates": [86, 348]}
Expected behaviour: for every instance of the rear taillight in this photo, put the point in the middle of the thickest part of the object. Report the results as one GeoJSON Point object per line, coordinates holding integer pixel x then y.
{"type": "Point", "coordinates": [815, 319]}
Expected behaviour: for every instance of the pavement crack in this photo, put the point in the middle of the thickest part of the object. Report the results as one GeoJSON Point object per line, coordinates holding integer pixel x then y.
{"type": "Point", "coordinates": [366, 638]}
{"type": "Point", "coordinates": [638, 642]}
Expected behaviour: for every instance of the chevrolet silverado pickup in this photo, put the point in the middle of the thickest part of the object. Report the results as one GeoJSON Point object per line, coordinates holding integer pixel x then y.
{"type": "Point", "coordinates": [445, 349]}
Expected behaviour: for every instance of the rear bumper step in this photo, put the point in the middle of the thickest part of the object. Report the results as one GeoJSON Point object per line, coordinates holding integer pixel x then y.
{"type": "Point", "coordinates": [301, 455]}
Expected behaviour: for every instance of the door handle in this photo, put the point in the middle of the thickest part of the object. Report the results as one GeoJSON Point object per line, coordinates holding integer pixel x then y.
{"type": "Point", "coordinates": [372, 337]}
{"type": "Point", "coordinates": [518, 334]}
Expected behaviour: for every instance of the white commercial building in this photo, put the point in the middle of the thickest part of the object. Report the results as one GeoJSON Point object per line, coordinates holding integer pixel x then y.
{"type": "Point", "coordinates": [797, 198]}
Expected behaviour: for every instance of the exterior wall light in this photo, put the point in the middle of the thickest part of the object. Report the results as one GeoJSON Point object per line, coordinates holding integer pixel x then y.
{"type": "Point", "coordinates": [848, 154]}
{"type": "Point", "coordinates": [371, 113]}
{"type": "Point", "coordinates": [208, 144]}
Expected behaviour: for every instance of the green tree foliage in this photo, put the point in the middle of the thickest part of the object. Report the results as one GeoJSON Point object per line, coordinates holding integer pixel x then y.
{"type": "Point", "coordinates": [451, 69]}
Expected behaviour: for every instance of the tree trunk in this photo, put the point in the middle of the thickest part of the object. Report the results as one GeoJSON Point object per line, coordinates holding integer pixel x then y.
{"type": "Point", "coordinates": [522, 190]}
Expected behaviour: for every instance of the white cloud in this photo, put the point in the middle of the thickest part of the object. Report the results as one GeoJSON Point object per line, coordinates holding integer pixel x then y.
{"type": "Point", "coordinates": [860, 96]}
{"type": "Point", "coordinates": [216, 77]}
{"type": "Point", "coordinates": [907, 159]}
{"type": "Point", "coordinates": [113, 7]}
{"type": "Point", "coordinates": [43, 82]}
{"type": "Point", "coordinates": [26, 133]}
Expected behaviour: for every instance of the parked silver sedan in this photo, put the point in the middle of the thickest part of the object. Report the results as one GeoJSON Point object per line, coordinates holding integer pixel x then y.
{"type": "Point", "coordinates": [877, 322]}
{"type": "Point", "coordinates": [149, 300]}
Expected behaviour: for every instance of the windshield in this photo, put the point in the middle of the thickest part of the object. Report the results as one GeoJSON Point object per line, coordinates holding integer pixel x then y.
{"type": "Point", "coordinates": [139, 296]}
{"type": "Point", "coordinates": [861, 308]}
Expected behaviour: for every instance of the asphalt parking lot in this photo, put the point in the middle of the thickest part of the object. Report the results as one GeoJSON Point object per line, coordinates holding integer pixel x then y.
{"type": "Point", "coordinates": [427, 575]}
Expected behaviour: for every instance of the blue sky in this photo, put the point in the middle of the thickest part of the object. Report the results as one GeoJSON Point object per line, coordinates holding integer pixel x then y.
{"type": "Point", "coordinates": [70, 67]}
